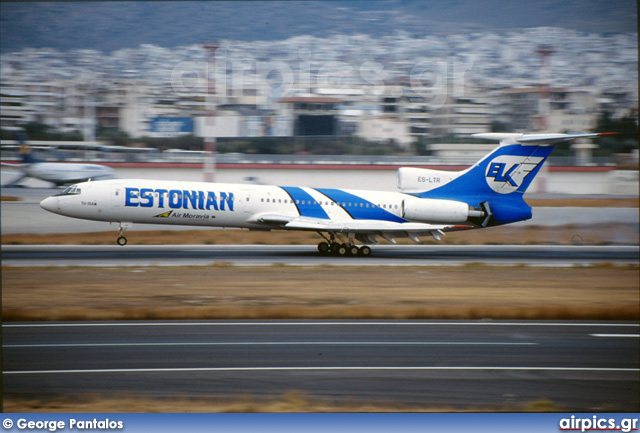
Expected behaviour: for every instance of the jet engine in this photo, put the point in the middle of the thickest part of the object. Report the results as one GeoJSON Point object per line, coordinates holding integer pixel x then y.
{"type": "Point", "coordinates": [433, 211]}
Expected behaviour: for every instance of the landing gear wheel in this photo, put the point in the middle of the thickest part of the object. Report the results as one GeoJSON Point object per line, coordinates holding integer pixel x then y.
{"type": "Point", "coordinates": [353, 250]}
{"type": "Point", "coordinates": [365, 251]}
{"type": "Point", "coordinates": [333, 248]}
{"type": "Point", "coordinates": [122, 241]}
{"type": "Point", "coordinates": [340, 249]}
{"type": "Point", "coordinates": [323, 247]}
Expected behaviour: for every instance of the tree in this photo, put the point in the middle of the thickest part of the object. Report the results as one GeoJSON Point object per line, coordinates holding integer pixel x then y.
{"type": "Point", "coordinates": [42, 131]}
{"type": "Point", "coordinates": [37, 131]}
{"type": "Point", "coordinates": [625, 140]}
{"type": "Point", "coordinates": [116, 136]}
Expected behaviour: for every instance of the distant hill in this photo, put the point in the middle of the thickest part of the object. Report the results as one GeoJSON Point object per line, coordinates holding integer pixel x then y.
{"type": "Point", "coordinates": [109, 26]}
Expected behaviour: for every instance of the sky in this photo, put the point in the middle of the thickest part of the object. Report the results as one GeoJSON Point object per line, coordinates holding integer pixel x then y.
{"type": "Point", "coordinates": [109, 26]}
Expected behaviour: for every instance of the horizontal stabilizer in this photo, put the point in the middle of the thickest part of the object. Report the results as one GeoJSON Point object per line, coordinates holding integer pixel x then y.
{"type": "Point", "coordinates": [535, 139]}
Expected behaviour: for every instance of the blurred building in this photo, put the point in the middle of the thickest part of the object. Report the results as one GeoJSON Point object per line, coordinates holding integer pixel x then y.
{"type": "Point", "coordinates": [568, 110]}
{"type": "Point", "coordinates": [399, 87]}
{"type": "Point", "coordinates": [461, 116]}
{"type": "Point", "coordinates": [385, 129]}
{"type": "Point", "coordinates": [311, 115]}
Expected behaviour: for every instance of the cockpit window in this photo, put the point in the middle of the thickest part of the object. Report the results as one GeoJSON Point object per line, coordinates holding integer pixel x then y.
{"type": "Point", "coordinates": [70, 190]}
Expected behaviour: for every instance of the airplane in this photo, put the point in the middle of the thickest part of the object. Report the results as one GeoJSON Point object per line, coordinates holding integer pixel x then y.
{"type": "Point", "coordinates": [429, 202]}
{"type": "Point", "coordinates": [59, 173]}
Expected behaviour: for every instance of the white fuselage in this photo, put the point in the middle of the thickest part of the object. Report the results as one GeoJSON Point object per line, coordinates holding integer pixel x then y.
{"type": "Point", "coordinates": [232, 205]}
{"type": "Point", "coordinates": [208, 204]}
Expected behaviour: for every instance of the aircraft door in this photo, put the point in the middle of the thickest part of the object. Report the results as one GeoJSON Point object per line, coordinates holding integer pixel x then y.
{"type": "Point", "coordinates": [246, 201]}
{"type": "Point", "coordinates": [117, 196]}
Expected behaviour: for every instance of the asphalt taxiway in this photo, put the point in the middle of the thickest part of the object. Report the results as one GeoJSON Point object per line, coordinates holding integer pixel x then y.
{"type": "Point", "coordinates": [577, 365]}
{"type": "Point", "coordinates": [307, 255]}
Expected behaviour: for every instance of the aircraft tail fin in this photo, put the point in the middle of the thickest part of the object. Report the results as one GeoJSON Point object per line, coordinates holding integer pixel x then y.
{"type": "Point", "coordinates": [27, 156]}
{"type": "Point", "coordinates": [499, 180]}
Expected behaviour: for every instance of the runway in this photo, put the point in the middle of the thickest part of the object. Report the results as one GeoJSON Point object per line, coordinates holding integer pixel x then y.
{"type": "Point", "coordinates": [307, 255]}
{"type": "Point", "coordinates": [578, 366]}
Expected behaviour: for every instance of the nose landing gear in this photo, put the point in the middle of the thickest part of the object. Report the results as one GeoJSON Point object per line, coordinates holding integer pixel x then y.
{"type": "Point", "coordinates": [122, 241]}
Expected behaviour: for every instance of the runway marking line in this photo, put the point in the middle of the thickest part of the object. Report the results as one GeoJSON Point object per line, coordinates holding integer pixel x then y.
{"type": "Point", "coordinates": [279, 343]}
{"type": "Point", "coordinates": [615, 335]}
{"type": "Point", "coordinates": [249, 369]}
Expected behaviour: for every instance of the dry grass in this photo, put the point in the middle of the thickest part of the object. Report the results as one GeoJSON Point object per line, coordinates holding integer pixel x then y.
{"type": "Point", "coordinates": [168, 236]}
{"type": "Point", "coordinates": [290, 402]}
{"type": "Point", "coordinates": [583, 202]}
{"type": "Point", "coordinates": [281, 292]}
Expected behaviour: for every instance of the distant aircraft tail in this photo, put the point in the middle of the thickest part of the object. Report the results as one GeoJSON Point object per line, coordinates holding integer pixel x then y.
{"type": "Point", "coordinates": [496, 184]}
{"type": "Point", "coordinates": [27, 156]}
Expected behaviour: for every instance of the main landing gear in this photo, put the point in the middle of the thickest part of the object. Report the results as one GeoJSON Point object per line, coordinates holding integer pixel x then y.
{"type": "Point", "coordinates": [333, 247]}
{"type": "Point", "coordinates": [338, 249]}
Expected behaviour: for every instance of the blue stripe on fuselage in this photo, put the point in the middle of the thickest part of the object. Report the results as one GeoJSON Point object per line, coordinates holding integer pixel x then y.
{"type": "Point", "coordinates": [359, 208]}
{"type": "Point", "coordinates": [307, 205]}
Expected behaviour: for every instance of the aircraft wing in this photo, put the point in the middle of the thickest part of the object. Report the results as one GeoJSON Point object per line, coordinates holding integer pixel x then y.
{"type": "Point", "coordinates": [8, 164]}
{"type": "Point", "coordinates": [386, 229]}
{"type": "Point", "coordinates": [16, 180]}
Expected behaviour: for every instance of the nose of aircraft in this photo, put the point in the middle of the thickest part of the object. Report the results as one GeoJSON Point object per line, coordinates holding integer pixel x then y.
{"type": "Point", "coordinates": [50, 204]}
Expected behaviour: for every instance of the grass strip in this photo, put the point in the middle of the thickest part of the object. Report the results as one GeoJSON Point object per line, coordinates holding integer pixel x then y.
{"type": "Point", "coordinates": [290, 402]}
{"type": "Point", "coordinates": [604, 292]}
